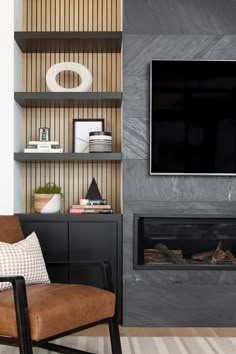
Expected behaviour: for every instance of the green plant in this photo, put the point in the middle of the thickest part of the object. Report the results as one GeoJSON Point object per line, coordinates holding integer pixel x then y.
{"type": "Point", "coordinates": [48, 188]}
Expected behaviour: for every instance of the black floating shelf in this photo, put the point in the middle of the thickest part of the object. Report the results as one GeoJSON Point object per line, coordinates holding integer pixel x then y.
{"type": "Point", "coordinates": [68, 41]}
{"type": "Point", "coordinates": [68, 99]}
{"type": "Point", "coordinates": [67, 217]}
{"type": "Point", "coordinates": [99, 156]}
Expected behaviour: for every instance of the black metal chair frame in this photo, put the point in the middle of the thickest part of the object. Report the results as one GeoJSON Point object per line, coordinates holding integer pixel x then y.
{"type": "Point", "coordinates": [24, 341]}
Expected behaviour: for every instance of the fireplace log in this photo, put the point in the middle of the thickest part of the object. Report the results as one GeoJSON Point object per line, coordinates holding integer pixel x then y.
{"type": "Point", "coordinates": [170, 256]}
{"type": "Point", "coordinates": [229, 257]}
{"type": "Point", "coordinates": [157, 252]}
{"type": "Point", "coordinates": [205, 256]}
{"type": "Point", "coordinates": [161, 254]}
{"type": "Point", "coordinates": [219, 254]}
{"type": "Point", "coordinates": [152, 255]}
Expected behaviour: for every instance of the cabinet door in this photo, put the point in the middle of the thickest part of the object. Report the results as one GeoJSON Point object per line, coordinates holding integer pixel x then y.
{"type": "Point", "coordinates": [53, 238]}
{"type": "Point", "coordinates": [93, 240]}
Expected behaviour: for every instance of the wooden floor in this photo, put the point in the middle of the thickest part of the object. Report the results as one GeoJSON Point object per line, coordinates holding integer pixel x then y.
{"type": "Point", "coordinates": [163, 332]}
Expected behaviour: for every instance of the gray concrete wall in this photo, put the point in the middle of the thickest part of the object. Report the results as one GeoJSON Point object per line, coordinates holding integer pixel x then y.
{"type": "Point", "coordinates": [166, 29]}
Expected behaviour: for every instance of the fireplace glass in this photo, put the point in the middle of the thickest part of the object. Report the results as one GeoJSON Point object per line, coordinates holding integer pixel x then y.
{"type": "Point", "coordinates": [185, 242]}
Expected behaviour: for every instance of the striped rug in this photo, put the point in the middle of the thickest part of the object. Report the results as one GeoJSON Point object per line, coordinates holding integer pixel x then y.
{"type": "Point", "coordinates": [145, 345]}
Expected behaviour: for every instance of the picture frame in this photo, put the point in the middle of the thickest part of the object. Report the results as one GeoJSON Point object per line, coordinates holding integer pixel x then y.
{"type": "Point", "coordinates": [81, 130]}
{"type": "Point", "coordinates": [44, 134]}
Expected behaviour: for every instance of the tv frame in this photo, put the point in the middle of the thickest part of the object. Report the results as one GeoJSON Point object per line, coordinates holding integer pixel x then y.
{"type": "Point", "coordinates": [150, 127]}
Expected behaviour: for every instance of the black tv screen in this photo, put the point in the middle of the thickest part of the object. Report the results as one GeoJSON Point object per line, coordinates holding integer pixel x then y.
{"type": "Point", "coordinates": [193, 117]}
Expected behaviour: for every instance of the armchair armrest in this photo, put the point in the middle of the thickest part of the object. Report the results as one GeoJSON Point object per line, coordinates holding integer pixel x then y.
{"type": "Point", "coordinates": [21, 304]}
{"type": "Point", "coordinates": [19, 288]}
{"type": "Point", "coordinates": [12, 279]}
{"type": "Point", "coordinates": [105, 269]}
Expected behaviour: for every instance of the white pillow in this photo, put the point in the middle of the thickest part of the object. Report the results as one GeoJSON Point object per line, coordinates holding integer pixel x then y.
{"type": "Point", "coordinates": [23, 258]}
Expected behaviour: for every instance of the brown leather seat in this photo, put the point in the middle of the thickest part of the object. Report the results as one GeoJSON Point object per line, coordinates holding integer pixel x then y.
{"type": "Point", "coordinates": [56, 308]}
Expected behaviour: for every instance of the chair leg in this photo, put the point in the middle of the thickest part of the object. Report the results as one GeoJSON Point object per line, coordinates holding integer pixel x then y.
{"type": "Point", "coordinates": [25, 346]}
{"type": "Point", "coordinates": [22, 317]}
{"type": "Point", "coordinates": [24, 340]}
{"type": "Point", "coordinates": [114, 336]}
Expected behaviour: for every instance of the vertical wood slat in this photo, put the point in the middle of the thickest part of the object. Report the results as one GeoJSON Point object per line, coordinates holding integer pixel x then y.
{"type": "Point", "coordinates": [72, 15]}
{"type": "Point", "coordinates": [62, 17]}
{"type": "Point", "coordinates": [100, 12]}
{"type": "Point", "coordinates": [76, 16]}
{"type": "Point", "coordinates": [90, 15]}
{"type": "Point", "coordinates": [48, 17]}
{"type": "Point", "coordinates": [52, 15]}
{"type": "Point", "coordinates": [109, 15]}
{"type": "Point", "coordinates": [85, 16]}
{"type": "Point", "coordinates": [29, 15]}
{"type": "Point", "coordinates": [33, 15]}
{"type": "Point", "coordinates": [104, 15]}
{"type": "Point", "coordinates": [119, 11]}
{"type": "Point", "coordinates": [43, 11]}
{"type": "Point", "coordinates": [67, 15]}
{"type": "Point", "coordinates": [95, 16]}
{"type": "Point", "coordinates": [38, 16]}
{"type": "Point", "coordinates": [25, 16]}
{"type": "Point", "coordinates": [57, 15]}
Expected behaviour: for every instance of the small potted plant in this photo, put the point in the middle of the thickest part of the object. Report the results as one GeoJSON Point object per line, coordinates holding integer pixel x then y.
{"type": "Point", "coordinates": [47, 198]}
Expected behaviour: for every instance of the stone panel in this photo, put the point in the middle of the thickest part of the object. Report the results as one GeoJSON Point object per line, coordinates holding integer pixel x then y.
{"type": "Point", "coordinates": [136, 138]}
{"type": "Point", "coordinates": [189, 306]}
{"type": "Point", "coordinates": [141, 186]}
{"type": "Point", "coordinates": [182, 16]}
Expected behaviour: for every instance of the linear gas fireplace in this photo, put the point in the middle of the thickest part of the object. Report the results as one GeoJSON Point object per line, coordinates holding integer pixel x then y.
{"type": "Point", "coordinates": [184, 242]}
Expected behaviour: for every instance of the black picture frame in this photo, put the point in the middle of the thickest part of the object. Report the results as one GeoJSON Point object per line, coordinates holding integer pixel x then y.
{"type": "Point", "coordinates": [81, 142]}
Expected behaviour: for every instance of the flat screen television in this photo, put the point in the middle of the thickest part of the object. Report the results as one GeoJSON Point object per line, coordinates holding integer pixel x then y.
{"type": "Point", "coordinates": [193, 117]}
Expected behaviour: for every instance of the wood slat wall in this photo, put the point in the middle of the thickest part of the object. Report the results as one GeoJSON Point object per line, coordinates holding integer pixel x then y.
{"type": "Point", "coordinates": [73, 177]}
{"type": "Point", "coordinates": [60, 122]}
{"type": "Point", "coordinates": [72, 15]}
{"type": "Point", "coordinates": [105, 69]}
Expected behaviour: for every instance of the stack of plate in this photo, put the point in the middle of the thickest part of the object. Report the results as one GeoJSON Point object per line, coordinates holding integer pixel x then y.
{"type": "Point", "coordinates": [100, 142]}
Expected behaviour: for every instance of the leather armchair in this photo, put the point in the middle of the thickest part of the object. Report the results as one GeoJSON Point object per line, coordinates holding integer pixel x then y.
{"type": "Point", "coordinates": [34, 315]}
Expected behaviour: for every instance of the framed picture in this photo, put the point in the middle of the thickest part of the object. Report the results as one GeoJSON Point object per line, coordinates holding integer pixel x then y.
{"type": "Point", "coordinates": [44, 134]}
{"type": "Point", "coordinates": [81, 130]}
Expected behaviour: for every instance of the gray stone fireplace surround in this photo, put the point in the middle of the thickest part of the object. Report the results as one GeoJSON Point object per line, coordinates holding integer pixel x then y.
{"type": "Point", "coordinates": [170, 29]}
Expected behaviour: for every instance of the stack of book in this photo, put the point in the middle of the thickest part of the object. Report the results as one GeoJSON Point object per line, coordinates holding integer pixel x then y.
{"type": "Point", "coordinates": [43, 146]}
{"type": "Point", "coordinates": [92, 207]}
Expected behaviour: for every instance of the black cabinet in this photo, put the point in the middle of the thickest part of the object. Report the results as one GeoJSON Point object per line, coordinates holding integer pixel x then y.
{"type": "Point", "coordinates": [95, 240]}
{"type": "Point", "coordinates": [70, 238]}
{"type": "Point", "coordinates": [53, 237]}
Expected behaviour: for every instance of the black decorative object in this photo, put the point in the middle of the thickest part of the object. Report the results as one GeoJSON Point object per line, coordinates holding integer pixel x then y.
{"type": "Point", "coordinates": [93, 191]}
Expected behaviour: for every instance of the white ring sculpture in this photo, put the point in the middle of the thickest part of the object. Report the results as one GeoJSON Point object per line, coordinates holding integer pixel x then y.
{"type": "Point", "coordinates": [81, 70]}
